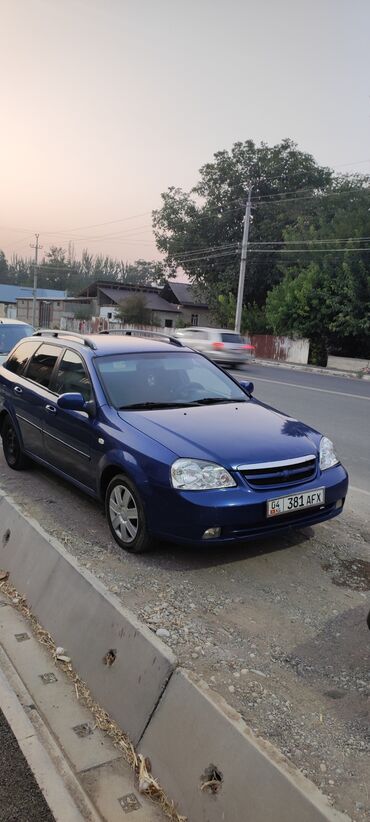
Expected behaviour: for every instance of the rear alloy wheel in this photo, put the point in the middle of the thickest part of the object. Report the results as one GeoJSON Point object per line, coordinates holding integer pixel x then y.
{"type": "Point", "coordinates": [125, 515]}
{"type": "Point", "coordinates": [12, 447]}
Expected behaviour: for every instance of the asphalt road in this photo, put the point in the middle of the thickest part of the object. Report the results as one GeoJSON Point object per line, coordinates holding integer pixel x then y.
{"type": "Point", "coordinates": [20, 797]}
{"type": "Point", "coordinates": [337, 406]}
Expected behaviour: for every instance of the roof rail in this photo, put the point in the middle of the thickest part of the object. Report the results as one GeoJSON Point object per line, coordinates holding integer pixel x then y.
{"type": "Point", "coordinates": [138, 332]}
{"type": "Point", "coordinates": [81, 338]}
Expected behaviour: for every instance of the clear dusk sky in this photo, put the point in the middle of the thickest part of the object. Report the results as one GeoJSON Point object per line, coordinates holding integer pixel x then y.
{"type": "Point", "coordinates": [106, 103]}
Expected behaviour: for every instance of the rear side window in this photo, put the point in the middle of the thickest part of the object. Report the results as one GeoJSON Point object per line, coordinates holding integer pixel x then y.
{"type": "Point", "coordinates": [19, 359]}
{"type": "Point", "coordinates": [41, 366]}
{"type": "Point", "coordinates": [232, 338]}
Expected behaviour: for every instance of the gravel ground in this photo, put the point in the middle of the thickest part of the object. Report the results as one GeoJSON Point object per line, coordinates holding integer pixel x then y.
{"type": "Point", "coordinates": [278, 627]}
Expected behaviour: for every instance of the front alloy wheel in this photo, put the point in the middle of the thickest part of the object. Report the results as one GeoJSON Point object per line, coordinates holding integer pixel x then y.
{"type": "Point", "coordinates": [125, 514]}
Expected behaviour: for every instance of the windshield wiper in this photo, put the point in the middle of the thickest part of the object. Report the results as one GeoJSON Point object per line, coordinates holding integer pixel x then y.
{"type": "Point", "coordinates": [147, 406]}
{"type": "Point", "coordinates": [215, 400]}
{"type": "Point", "coordinates": [151, 405]}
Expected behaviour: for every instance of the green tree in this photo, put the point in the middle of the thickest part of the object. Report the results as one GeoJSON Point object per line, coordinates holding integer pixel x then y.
{"type": "Point", "coordinates": [325, 293]}
{"type": "Point", "coordinates": [210, 217]}
{"type": "Point", "coordinates": [4, 269]}
{"type": "Point", "coordinates": [134, 310]}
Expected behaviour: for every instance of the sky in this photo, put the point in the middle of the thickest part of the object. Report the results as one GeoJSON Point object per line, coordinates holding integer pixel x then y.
{"type": "Point", "coordinates": [107, 103]}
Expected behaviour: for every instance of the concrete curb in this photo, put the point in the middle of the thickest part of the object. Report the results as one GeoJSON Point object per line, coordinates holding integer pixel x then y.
{"type": "Point", "coordinates": [311, 369]}
{"type": "Point", "coordinates": [183, 726]}
{"type": "Point", "coordinates": [196, 729]}
{"type": "Point", "coordinates": [84, 617]}
{"type": "Point", "coordinates": [47, 777]}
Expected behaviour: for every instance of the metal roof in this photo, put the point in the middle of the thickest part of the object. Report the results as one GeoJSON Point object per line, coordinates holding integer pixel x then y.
{"type": "Point", "coordinates": [153, 301]}
{"type": "Point", "coordinates": [184, 294]}
{"type": "Point", "coordinates": [12, 293]}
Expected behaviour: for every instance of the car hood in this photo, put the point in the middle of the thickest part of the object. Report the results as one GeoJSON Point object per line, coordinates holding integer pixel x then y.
{"type": "Point", "coordinates": [231, 434]}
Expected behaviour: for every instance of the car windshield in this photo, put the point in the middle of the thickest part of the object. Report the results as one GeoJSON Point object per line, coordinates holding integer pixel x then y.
{"type": "Point", "coordinates": [164, 380]}
{"type": "Point", "coordinates": [11, 334]}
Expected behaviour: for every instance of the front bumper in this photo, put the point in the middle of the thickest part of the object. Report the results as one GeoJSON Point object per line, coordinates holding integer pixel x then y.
{"type": "Point", "coordinates": [240, 512]}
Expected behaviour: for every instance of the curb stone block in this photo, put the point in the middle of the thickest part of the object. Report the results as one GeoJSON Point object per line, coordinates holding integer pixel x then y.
{"type": "Point", "coordinates": [195, 737]}
{"type": "Point", "coordinates": [83, 617]}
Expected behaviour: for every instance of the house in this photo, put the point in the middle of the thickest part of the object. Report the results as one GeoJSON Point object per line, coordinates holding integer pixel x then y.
{"type": "Point", "coordinates": [50, 310]}
{"type": "Point", "coordinates": [169, 304]}
{"type": "Point", "coordinates": [194, 311]}
{"type": "Point", "coordinates": [9, 294]}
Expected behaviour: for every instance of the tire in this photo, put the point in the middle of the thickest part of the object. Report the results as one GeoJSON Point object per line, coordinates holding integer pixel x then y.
{"type": "Point", "coordinates": [129, 530]}
{"type": "Point", "coordinates": [12, 447]}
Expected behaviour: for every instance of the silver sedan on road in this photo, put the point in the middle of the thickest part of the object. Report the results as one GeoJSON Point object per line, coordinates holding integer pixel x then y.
{"type": "Point", "coordinates": [221, 345]}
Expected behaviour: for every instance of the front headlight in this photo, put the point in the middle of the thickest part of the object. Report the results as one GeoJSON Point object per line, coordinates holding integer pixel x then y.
{"type": "Point", "coordinates": [328, 457]}
{"type": "Point", "coordinates": [199, 475]}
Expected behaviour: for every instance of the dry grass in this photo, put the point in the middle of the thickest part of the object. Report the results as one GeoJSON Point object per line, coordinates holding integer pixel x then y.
{"type": "Point", "coordinates": [146, 784]}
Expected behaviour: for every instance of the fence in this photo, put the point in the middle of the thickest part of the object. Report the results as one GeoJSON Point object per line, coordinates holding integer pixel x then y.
{"type": "Point", "coordinates": [282, 349]}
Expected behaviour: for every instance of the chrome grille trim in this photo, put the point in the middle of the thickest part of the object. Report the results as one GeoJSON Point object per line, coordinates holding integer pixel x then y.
{"type": "Point", "coordinates": [276, 464]}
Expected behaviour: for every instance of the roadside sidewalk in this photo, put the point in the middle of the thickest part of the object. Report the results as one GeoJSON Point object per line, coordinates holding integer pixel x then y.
{"type": "Point", "coordinates": [55, 763]}
{"type": "Point", "coordinates": [312, 369]}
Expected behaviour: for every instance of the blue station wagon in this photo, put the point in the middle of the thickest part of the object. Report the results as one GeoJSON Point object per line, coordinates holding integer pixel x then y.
{"type": "Point", "coordinates": [174, 447]}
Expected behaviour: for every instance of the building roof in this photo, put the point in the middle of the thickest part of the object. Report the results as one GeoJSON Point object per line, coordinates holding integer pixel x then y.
{"type": "Point", "coordinates": [183, 294]}
{"type": "Point", "coordinates": [12, 293]}
{"type": "Point", "coordinates": [153, 300]}
{"type": "Point", "coordinates": [91, 290]}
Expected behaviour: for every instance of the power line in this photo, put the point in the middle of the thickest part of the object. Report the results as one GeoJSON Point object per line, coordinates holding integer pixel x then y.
{"type": "Point", "coordinates": [299, 242]}
{"type": "Point", "coordinates": [317, 197]}
{"type": "Point", "coordinates": [97, 225]}
{"type": "Point", "coordinates": [307, 250]}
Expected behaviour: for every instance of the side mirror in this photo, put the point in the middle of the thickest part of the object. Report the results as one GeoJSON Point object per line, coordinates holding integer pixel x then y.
{"type": "Point", "coordinates": [72, 402]}
{"type": "Point", "coordinates": [248, 387]}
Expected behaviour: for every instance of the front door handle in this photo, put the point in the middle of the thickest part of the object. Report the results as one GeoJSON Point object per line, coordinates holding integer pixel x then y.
{"type": "Point", "coordinates": [18, 389]}
{"type": "Point", "coordinates": [51, 409]}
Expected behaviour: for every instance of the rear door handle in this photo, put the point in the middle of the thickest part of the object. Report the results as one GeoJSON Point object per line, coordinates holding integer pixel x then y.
{"type": "Point", "coordinates": [51, 409]}
{"type": "Point", "coordinates": [18, 389]}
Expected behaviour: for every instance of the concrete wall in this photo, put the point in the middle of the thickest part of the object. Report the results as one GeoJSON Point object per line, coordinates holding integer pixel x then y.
{"type": "Point", "coordinates": [203, 314]}
{"type": "Point", "coordinates": [348, 363]}
{"type": "Point", "coordinates": [283, 349]}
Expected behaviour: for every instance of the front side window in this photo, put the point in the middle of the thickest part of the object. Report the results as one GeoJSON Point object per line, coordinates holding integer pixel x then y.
{"type": "Point", "coordinates": [19, 358]}
{"type": "Point", "coordinates": [42, 364]}
{"type": "Point", "coordinates": [164, 380]}
{"type": "Point", "coordinates": [71, 376]}
{"type": "Point", "coordinates": [11, 334]}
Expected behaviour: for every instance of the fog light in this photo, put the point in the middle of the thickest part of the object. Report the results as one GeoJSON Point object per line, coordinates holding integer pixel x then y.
{"type": "Point", "coordinates": [211, 533]}
{"type": "Point", "coordinates": [339, 503]}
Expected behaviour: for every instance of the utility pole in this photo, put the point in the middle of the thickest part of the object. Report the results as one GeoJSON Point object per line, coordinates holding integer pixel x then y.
{"type": "Point", "coordinates": [36, 246]}
{"type": "Point", "coordinates": [243, 263]}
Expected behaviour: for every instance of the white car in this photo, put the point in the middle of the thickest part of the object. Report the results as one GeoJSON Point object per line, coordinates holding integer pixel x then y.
{"type": "Point", "coordinates": [221, 345]}
{"type": "Point", "coordinates": [11, 331]}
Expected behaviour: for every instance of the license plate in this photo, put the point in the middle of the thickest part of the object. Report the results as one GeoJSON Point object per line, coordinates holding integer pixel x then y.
{"type": "Point", "coordinates": [294, 502]}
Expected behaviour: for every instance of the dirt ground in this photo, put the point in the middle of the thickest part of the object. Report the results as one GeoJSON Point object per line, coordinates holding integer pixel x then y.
{"type": "Point", "coordinates": [278, 627]}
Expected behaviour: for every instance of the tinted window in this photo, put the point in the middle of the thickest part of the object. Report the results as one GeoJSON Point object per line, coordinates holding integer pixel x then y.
{"type": "Point", "coordinates": [232, 338]}
{"type": "Point", "coordinates": [72, 377]}
{"type": "Point", "coordinates": [11, 334]}
{"type": "Point", "coordinates": [174, 379]}
{"type": "Point", "coordinates": [42, 364]}
{"type": "Point", "coordinates": [19, 359]}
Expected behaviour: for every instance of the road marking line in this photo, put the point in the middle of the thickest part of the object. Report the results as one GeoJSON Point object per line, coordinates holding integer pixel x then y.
{"type": "Point", "coordinates": [359, 490]}
{"type": "Point", "coordinates": [310, 388]}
